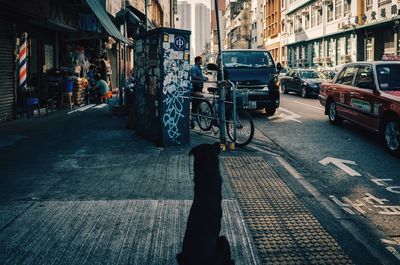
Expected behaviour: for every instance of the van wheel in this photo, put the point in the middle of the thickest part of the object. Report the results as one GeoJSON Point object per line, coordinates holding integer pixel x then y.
{"type": "Point", "coordinates": [270, 111]}
{"type": "Point", "coordinates": [391, 135]}
{"type": "Point", "coordinates": [332, 114]}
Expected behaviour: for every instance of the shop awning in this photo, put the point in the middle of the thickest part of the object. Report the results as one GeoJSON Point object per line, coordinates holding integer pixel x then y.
{"type": "Point", "coordinates": [105, 21]}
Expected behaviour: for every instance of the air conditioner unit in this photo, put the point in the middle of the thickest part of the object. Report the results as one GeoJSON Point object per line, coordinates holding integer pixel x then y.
{"type": "Point", "coordinates": [345, 25]}
{"type": "Point", "coordinates": [317, 7]}
{"type": "Point", "coordinates": [327, 59]}
{"type": "Point", "coordinates": [317, 60]}
{"type": "Point", "coordinates": [327, 2]}
{"type": "Point", "coordinates": [305, 12]}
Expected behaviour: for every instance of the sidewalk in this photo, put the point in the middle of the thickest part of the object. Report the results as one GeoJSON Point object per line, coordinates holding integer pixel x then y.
{"type": "Point", "coordinates": [81, 189]}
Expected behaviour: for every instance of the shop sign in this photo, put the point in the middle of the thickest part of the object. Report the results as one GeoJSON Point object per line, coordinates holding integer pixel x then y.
{"type": "Point", "coordinates": [62, 14]}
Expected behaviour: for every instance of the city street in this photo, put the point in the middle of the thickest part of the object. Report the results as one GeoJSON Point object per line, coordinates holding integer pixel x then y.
{"type": "Point", "coordinates": [345, 163]}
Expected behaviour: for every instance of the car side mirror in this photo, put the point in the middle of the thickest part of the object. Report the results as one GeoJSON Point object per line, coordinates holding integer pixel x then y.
{"type": "Point", "coordinates": [366, 85]}
{"type": "Point", "coordinates": [279, 67]}
{"type": "Point", "coordinates": [212, 67]}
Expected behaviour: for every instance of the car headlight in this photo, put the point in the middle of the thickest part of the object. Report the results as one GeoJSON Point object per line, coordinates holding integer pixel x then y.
{"type": "Point", "coordinates": [313, 85]}
{"type": "Point", "coordinates": [265, 88]}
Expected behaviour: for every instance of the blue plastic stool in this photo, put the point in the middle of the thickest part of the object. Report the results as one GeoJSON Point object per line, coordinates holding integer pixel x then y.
{"type": "Point", "coordinates": [30, 104]}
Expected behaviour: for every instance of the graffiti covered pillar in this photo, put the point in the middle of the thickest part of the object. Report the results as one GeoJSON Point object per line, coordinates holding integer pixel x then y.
{"type": "Point", "coordinates": [162, 93]}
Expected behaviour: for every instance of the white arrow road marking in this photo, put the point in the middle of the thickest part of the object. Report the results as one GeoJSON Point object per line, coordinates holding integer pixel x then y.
{"type": "Point", "coordinates": [289, 116]}
{"type": "Point", "coordinates": [340, 163]}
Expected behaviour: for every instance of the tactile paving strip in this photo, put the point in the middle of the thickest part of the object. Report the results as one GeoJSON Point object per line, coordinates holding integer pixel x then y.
{"type": "Point", "coordinates": [283, 229]}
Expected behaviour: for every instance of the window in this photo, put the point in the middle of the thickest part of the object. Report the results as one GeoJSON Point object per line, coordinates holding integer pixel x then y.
{"type": "Point", "coordinates": [312, 18]}
{"type": "Point", "coordinates": [346, 78]}
{"type": "Point", "coordinates": [319, 18]}
{"type": "Point", "coordinates": [388, 76]}
{"type": "Point", "coordinates": [307, 22]}
{"type": "Point", "coordinates": [330, 13]}
{"type": "Point", "coordinates": [338, 8]}
{"type": "Point", "coordinates": [364, 77]}
{"type": "Point", "coordinates": [346, 8]}
{"type": "Point", "coordinates": [369, 4]}
{"type": "Point", "coordinates": [370, 49]}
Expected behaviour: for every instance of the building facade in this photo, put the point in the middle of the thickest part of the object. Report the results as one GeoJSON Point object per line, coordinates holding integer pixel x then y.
{"type": "Point", "coordinates": [273, 9]}
{"type": "Point", "coordinates": [202, 28]}
{"type": "Point", "coordinates": [184, 16]}
{"type": "Point", "coordinates": [238, 25]}
{"type": "Point", "coordinates": [257, 24]}
{"type": "Point", "coordinates": [329, 33]}
{"type": "Point", "coordinates": [222, 24]}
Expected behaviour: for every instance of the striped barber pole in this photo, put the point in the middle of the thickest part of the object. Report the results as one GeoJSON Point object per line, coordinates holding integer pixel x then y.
{"type": "Point", "coordinates": [23, 61]}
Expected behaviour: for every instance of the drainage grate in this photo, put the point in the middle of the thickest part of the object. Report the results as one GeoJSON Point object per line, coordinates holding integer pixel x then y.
{"type": "Point", "coordinates": [283, 229]}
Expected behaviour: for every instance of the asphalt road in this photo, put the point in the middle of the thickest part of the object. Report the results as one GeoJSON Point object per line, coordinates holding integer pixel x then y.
{"type": "Point", "coordinates": [366, 186]}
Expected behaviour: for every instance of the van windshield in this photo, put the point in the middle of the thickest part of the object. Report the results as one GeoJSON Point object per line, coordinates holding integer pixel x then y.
{"type": "Point", "coordinates": [247, 59]}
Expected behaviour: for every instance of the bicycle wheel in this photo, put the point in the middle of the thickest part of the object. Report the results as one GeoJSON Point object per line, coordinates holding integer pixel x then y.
{"type": "Point", "coordinates": [244, 128]}
{"type": "Point", "coordinates": [205, 115]}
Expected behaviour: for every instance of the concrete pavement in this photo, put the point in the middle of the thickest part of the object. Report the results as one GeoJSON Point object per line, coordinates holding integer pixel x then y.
{"type": "Point", "coordinates": [79, 188]}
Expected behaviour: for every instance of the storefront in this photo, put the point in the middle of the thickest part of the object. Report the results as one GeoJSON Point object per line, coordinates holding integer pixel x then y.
{"type": "Point", "coordinates": [361, 43]}
{"type": "Point", "coordinates": [7, 67]}
{"type": "Point", "coordinates": [57, 35]}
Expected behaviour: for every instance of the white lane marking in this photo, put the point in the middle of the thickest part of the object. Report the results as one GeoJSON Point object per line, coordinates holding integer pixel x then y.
{"type": "Point", "coordinates": [340, 163]}
{"type": "Point", "coordinates": [289, 168]}
{"type": "Point", "coordinates": [292, 116]}
{"type": "Point", "coordinates": [82, 109]}
{"type": "Point", "coordinates": [100, 106]}
{"type": "Point", "coordinates": [394, 252]}
{"type": "Point", "coordinates": [308, 105]}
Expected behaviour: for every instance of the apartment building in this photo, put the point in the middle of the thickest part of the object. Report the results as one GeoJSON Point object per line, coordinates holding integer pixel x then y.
{"type": "Point", "coordinates": [257, 24]}
{"type": "Point", "coordinates": [202, 30]}
{"type": "Point", "coordinates": [222, 25]}
{"type": "Point", "coordinates": [184, 14]}
{"type": "Point", "coordinates": [332, 32]}
{"type": "Point", "coordinates": [273, 9]}
{"type": "Point", "coordinates": [238, 25]}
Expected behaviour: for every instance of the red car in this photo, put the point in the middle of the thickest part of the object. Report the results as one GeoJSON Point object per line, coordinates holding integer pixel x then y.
{"type": "Point", "coordinates": [367, 93]}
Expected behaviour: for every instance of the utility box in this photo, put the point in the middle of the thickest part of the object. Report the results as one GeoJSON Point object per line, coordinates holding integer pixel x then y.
{"type": "Point", "coordinates": [162, 94]}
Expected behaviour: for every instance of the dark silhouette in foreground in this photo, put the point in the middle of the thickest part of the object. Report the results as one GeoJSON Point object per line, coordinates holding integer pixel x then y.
{"type": "Point", "coordinates": [202, 244]}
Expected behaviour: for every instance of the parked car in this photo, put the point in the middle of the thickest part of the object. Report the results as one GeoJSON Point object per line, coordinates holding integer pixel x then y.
{"type": "Point", "coordinates": [327, 74]}
{"type": "Point", "coordinates": [367, 93]}
{"type": "Point", "coordinates": [305, 82]}
{"type": "Point", "coordinates": [255, 73]}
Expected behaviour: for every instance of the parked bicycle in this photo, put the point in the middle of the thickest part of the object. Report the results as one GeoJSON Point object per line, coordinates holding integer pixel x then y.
{"type": "Point", "coordinates": [208, 119]}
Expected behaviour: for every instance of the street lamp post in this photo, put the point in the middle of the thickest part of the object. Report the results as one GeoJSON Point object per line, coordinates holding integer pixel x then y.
{"type": "Point", "coordinates": [221, 77]}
